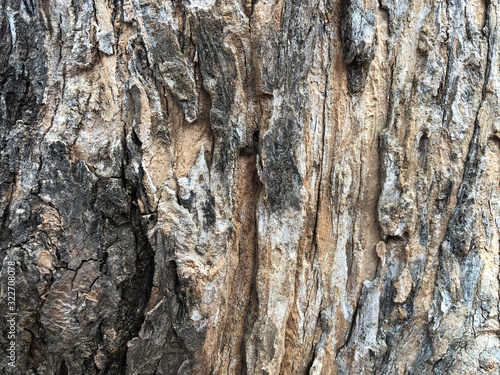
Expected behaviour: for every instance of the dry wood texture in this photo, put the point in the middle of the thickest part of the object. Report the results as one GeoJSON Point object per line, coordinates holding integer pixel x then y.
{"type": "Point", "coordinates": [250, 186]}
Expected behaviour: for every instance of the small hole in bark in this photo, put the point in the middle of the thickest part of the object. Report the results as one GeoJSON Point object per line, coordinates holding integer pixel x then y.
{"type": "Point", "coordinates": [253, 148]}
{"type": "Point", "coordinates": [255, 139]}
{"type": "Point", "coordinates": [423, 144]}
{"type": "Point", "coordinates": [63, 370]}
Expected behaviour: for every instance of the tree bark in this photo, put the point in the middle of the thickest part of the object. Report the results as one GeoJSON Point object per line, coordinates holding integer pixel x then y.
{"type": "Point", "coordinates": [250, 187]}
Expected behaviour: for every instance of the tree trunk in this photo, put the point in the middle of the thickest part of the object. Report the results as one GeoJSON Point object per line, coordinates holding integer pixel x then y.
{"type": "Point", "coordinates": [250, 187]}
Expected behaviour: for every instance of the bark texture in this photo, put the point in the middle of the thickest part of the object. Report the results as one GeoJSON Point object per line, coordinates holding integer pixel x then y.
{"type": "Point", "coordinates": [251, 186]}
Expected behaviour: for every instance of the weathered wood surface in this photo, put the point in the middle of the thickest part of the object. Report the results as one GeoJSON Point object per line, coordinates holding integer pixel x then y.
{"type": "Point", "coordinates": [251, 187]}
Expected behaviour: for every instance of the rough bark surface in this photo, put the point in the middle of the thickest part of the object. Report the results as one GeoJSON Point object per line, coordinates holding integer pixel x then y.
{"type": "Point", "coordinates": [251, 186]}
